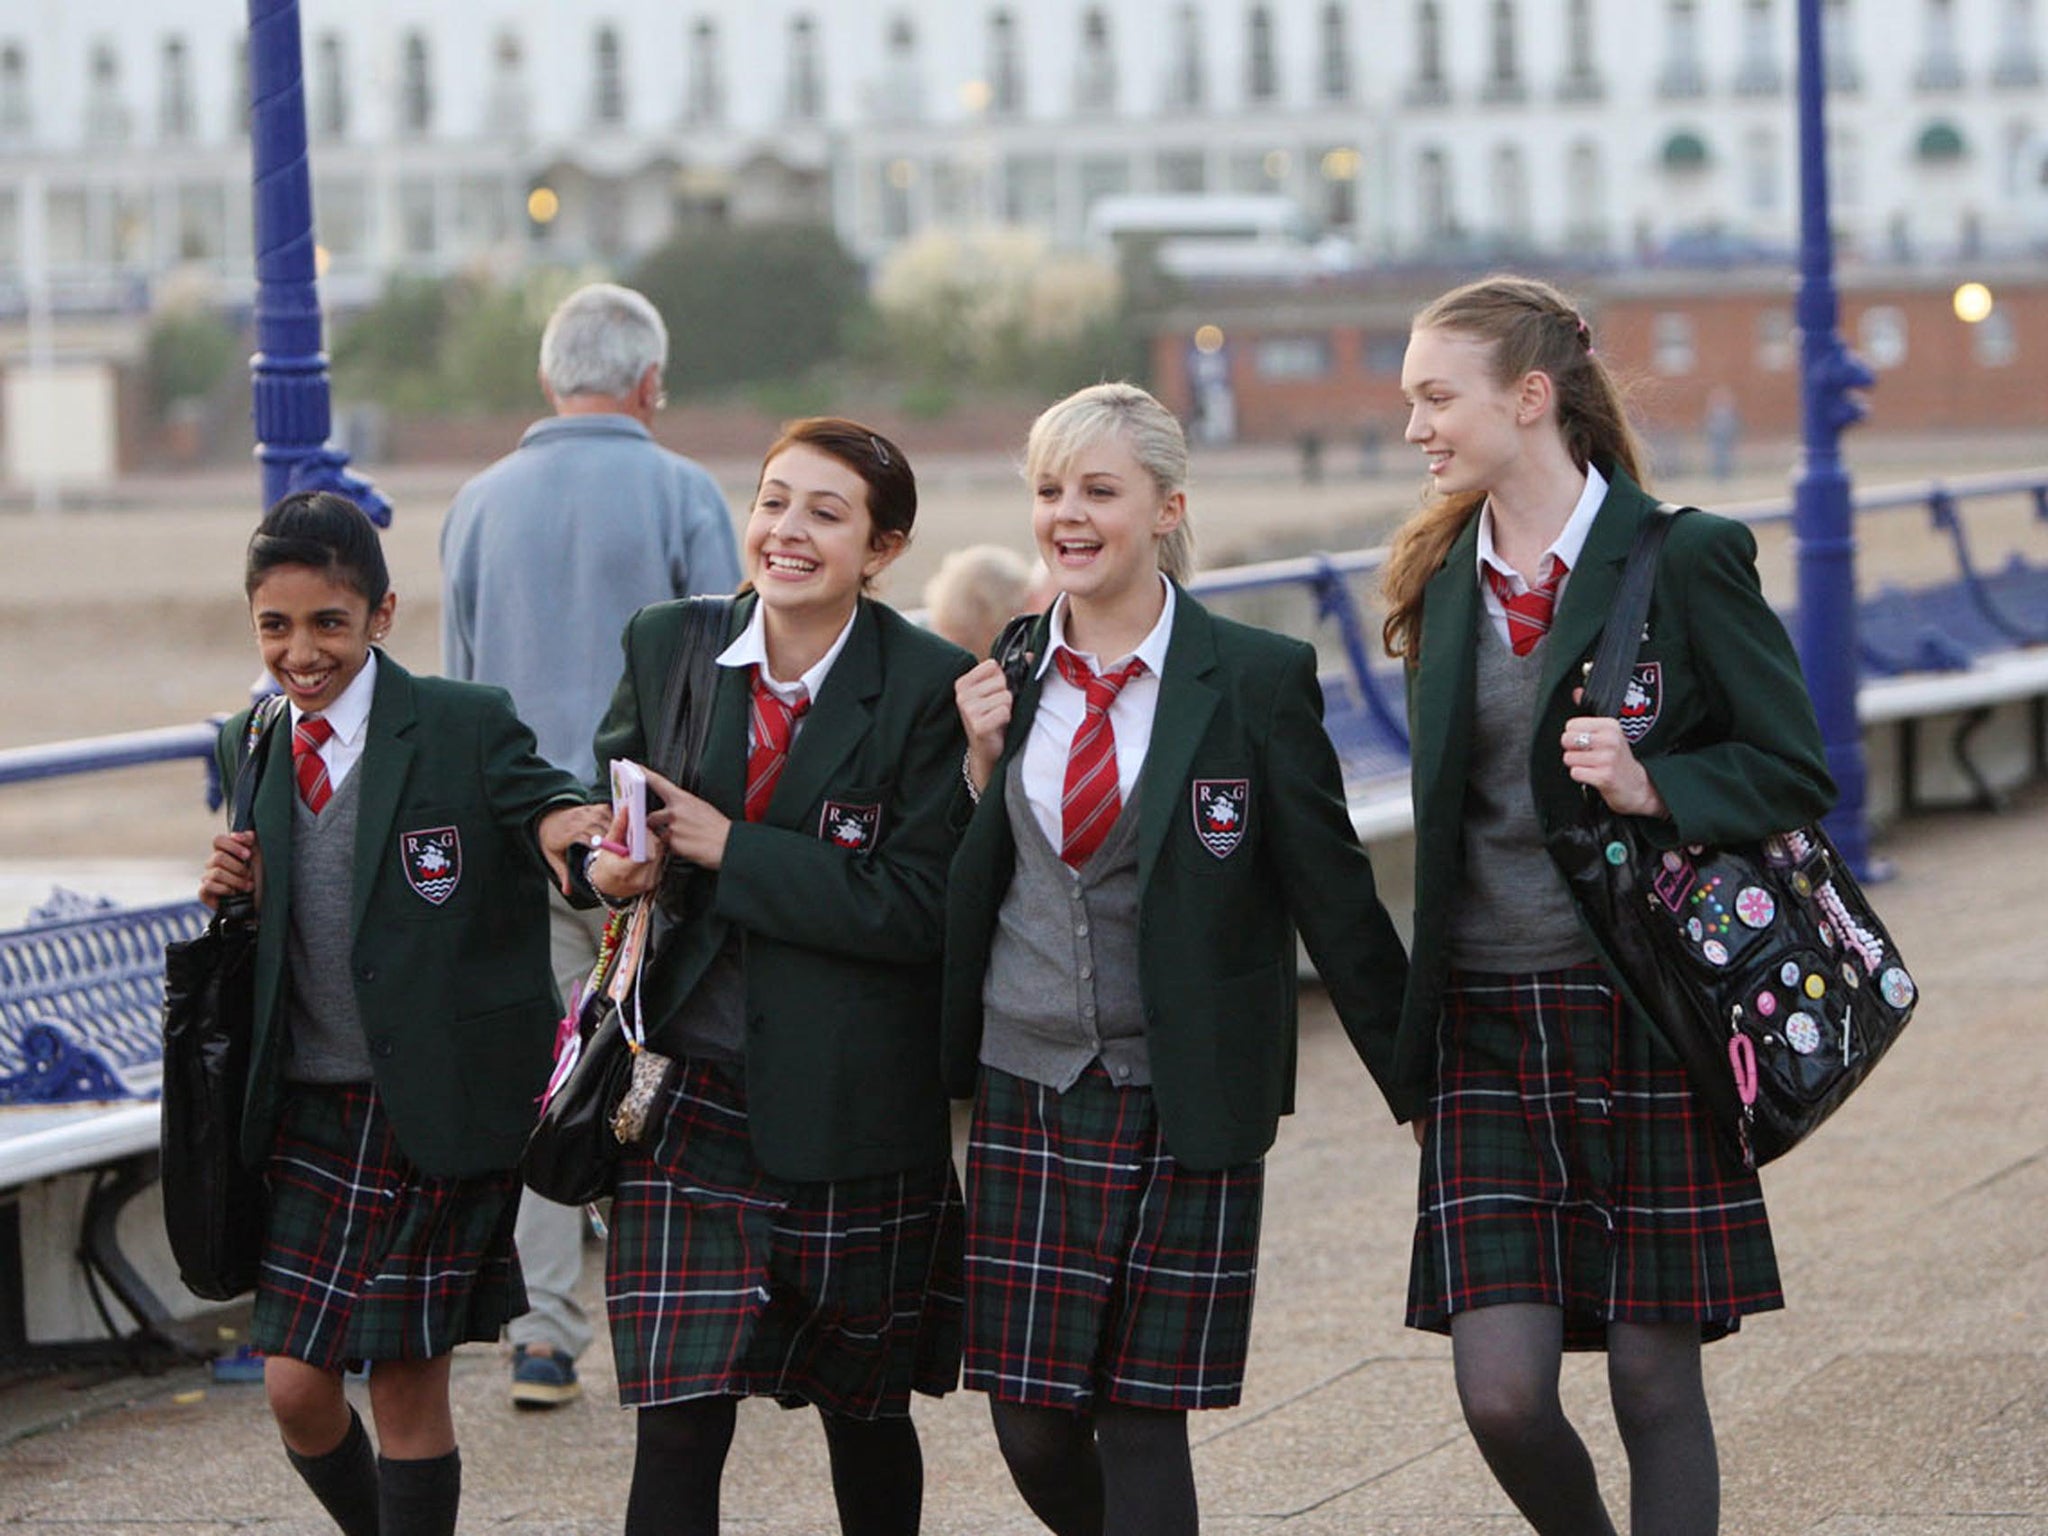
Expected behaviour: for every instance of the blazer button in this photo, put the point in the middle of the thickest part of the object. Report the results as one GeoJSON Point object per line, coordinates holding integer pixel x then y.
{"type": "Point", "coordinates": [381, 1048]}
{"type": "Point", "coordinates": [367, 973]}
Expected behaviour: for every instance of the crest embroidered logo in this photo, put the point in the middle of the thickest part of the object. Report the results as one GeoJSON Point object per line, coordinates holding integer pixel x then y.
{"type": "Point", "coordinates": [1221, 806]}
{"type": "Point", "coordinates": [433, 862]}
{"type": "Point", "coordinates": [852, 827]}
{"type": "Point", "coordinates": [1642, 701]}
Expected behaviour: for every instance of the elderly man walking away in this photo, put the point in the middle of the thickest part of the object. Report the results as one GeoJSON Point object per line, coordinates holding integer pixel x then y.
{"type": "Point", "coordinates": [544, 557]}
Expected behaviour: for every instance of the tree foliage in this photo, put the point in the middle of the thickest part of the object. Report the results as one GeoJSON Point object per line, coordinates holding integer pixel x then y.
{"type": "Point", "coordinates": [188, 356]}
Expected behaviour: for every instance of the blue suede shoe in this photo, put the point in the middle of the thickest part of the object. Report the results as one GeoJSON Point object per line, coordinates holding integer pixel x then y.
{"type": "Point", "coordinates": [543, 1381]}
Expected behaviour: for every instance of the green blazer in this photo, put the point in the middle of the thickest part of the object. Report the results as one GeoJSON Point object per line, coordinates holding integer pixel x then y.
{"type": "Point", "coordinates": [455, 994]}
{"type": "Point", "coordinates": [837, 892]}
{"type": "Point", "coordinates": [1216, 953]}
{"type": "Point", "coordinates": [1731, 742]}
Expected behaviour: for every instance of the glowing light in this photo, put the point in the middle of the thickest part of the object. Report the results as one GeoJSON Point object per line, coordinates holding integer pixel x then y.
{"type": "Point", "coordinates": [1209, 338]}
{"type": "Point", "coordinates": [1341, 165]}
{"type": "Point", "coordinates": [1276, 164]}
{"type": "Point", "coordinates": [1973, 302]}
{"type": "Point", "coordinates": [901, 174]}
{"type": "Point", "coordinates": [322, 260]}
{"type": "Point", "coordinates": [975, 95]}
{"type": "Point", "coordinates": [542, 205]}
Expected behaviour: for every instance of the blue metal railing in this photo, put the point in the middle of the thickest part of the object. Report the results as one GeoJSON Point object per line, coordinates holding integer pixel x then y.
{"type": "Point", "coordinates": [166, 744]}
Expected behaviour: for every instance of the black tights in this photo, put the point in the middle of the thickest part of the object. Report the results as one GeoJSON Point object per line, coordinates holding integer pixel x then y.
{"type": "Point", "coordinates": [1507, 1360]}
{"type": "Point", "coordinates": [1118, 1470]}
{"type": "Point", "coordinates": [679, 1460]}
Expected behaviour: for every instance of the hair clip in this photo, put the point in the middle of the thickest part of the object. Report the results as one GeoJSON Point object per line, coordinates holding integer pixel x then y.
{"type": "Point", "coordinates": [881, 449]}
{"type": "Point", "coordinates": [1585, 333]}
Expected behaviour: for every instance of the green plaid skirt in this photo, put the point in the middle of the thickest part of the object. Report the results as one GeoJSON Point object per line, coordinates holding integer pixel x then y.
{"type": "Point", "coordinates": [365, 1257]}
{"type": "Point", "coordinates": [1566, 1164]}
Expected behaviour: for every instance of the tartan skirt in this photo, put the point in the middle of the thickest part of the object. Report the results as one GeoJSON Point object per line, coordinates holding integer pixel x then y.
{"type": "Point", "coordinates": [1098, 1267]}
{"type": "Point", "coordinates": [723, 1280]}
{"type": "Point", "coordinates": [1567, 1164]}
{"type": "Point", "coordinates": [365, 1257]}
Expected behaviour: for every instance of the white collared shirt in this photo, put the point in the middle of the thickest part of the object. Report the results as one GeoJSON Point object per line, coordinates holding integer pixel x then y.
{"type": "Point", "coordinates": [1061, 707]}
{"type": "Point", "coordinates": [350, 717]}
{"type": "Point", "coordinates": [1566, 547]}
{"type": "Point", "coordinates": [750, 649]}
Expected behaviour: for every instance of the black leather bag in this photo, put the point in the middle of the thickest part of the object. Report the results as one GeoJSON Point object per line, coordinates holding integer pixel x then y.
{"type": "Point", "coordinates": [215, 1206]}
{"type": "Point", "coordinates": [572, 1152]}
{"type": "Point", "coordinates": [1761, 965]}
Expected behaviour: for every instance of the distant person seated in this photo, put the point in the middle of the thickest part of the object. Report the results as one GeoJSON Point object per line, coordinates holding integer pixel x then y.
{"type": "Point", "coordinates": [977, 590]}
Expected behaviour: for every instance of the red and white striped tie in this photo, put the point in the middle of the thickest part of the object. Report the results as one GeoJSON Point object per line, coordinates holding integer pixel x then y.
{"type": "Point", "coordinates": [1091, 800]}
{"type": "Point", "coordinates": [771, 723]}
{"type": "Point", "coordinates": [1528, 612]}
{"type": "Point", "coordinates": [308, 766]}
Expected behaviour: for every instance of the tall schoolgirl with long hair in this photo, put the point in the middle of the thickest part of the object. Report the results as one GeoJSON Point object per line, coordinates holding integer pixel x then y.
{"type": "Point", "coordinates": [403, 1014]}
{"type": "Point", "coordinates": [1158, 811]}
{"type": "Point", "coordinates": [791, 1229]}
{"type": "Point", "coordinates": [1572, 1195]}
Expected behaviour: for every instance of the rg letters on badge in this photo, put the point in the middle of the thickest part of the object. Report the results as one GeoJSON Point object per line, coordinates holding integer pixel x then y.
{"type": "Point", "coordinates": [1643, 700]}
{"type": "Point", "coordinates": [852, 827]}
{"type": "Point", "coordinates": [433, 862]}
{"type": "Point", "coordinates": [1221, 806]}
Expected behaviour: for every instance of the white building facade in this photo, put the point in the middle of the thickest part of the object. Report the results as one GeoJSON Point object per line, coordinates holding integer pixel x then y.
{"type": "Point", "coordinates": [1608, 131]}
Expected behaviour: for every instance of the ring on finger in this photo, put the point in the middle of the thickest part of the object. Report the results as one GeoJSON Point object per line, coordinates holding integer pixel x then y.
{"type": "Point", "coordinates": [1583, 740]}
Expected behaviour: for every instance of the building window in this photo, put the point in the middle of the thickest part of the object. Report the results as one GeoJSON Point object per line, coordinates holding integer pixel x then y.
{"type": "Point", "coordinates": [1845, 169]}
{"type": "Point", "coordinates": [1030, 190]}
{"type": "Point", "coordinates": [1759, 74]}
{"type": "Point", "coordinates": [806, 97]}
{"type": "Point", "coordinates": [1510, 197]}
{"type": "Point", "coordinates": [1941, 67]}
{"type": "Point", "coordinates": [2017, 64]}
{"type": "Point", "coordinates": [1672, 349]}
{"type": "Point", "coordinates": [1005, 66]}
{"type": "Point", "coordinates": [706, 103]}
{"type": "Point", "coordinates": [1262, 73]}
{"type": "Point", "coordinates": [507, 111]}
{"type": "Point", "coordinates": [106, 114]}
{"type": "Point", "coordinates": [1182, 170]}
{"type": "Point", "coordinates": [1185, 86]}
{"type": "Point", "coordinates": [1682, 75]}
{"type": "Point", "coordinates": [14, 115]}
{"type": "Point", "coordinates": [174, 105]}
{"type": "Point", "coordinates": [901, 96]}
{"type": "Point", "coordinates": [1333, 75]}
{"type": "Point", "coordinates": [1338, 167]}
{"type": "Point", "coordinates": [416, 87]}
{"type": "Point", "coordinates": [1760, 171]}
{"type": "Point", "coordinates": [1504, 75]}
{"type": "Point", "coordinates": [1437, 216]}
{"type": "Point", "coordinates": [1095, 74]}
{"type": "Point", "coordinates": [1585, 199]}
{"type": "Point", "coordinates": [241, 109]}
{"type": "Point", "coordinates": [1838, 46]}
{"type": "Point", "coordinates": [330, 87]}
{"type": "Point", "coordinates": [1581, 75]}
{"type": "Point", "coordinates": [1429, 83]}
{"type": "Point", "coordinates": [1292, 357]}
{"type": "Point", "coordinates": [1995, 340]}
{"type": "Point", "coordinates": [1385, 352]}
{"type": "Point", "coordinates": [608, 83]}
{"type": "Point", "coordinates": [202, 223]}
{"type": "Point", "coordinates": [1881, 336]}
{"type": "Point", "coordinates": [418, 232]}
{"type": "Point", "coordinates": [1103, 176]}
{"type": "Point", "coordinates": [1777, 340]}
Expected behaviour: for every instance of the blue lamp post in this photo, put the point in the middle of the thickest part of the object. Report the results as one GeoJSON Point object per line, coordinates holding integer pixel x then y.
{"type": "Point", "coordinates": [1822, 521]}
{"type": "Point", "coordinates": [289, 370]}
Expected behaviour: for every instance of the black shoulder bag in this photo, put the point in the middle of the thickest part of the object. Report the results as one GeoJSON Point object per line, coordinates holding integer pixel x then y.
{"type": "Point", "coordinates": [214, 1205]}
{"type": "Point", "coordinates": [573, 1151]}
{"type": "Point", "coordinates": [1761, 965]}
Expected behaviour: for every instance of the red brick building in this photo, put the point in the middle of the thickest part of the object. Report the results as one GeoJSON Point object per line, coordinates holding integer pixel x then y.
{"type": "Point", "coordinates": [1326, 358]}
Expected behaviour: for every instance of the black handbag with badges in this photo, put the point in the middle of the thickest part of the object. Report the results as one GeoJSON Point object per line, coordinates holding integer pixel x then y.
{"type": "Point", "coordinates": [1761, 965]}
{"type": "Point", "coordinates": [215, 1208]}
{"type": "Point", "coordinates": [606, 1082]}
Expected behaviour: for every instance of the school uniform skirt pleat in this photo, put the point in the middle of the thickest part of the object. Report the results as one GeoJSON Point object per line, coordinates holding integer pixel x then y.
{"type": "Point", "coordinates": [1566, 1164]}
{"type": "Point", "coordinates": [723, 1280]}
{"type": "Point", "coordinates": [365, 1257]}
{"type": "Point", "coordinates": [1099, 1268]}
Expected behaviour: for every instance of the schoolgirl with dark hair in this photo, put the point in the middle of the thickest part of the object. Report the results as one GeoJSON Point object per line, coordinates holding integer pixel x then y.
{"type": "Point", "coordinates": [790, 1228]}
{"type": "Point", "coordinates": [404, 1014]}
{"type": "Point", "coordinates": [1157, 812]}
{"type": "Point", "coordinates": [1572, 1194]}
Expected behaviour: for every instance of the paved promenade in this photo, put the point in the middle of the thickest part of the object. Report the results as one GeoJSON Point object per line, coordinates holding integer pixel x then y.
{"type": "Point", "coordinates": [1904, 1392]}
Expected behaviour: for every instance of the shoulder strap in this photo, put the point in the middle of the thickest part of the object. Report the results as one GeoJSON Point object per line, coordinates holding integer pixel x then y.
{"type": "Point", "coordinates": [692, 679]}
{"type": "Point", "coordinates": [248, 765]}
{"type": "Point", "coordinates": [1012, 650]}
{"type": "Point", "coordinates": [1614, 660]}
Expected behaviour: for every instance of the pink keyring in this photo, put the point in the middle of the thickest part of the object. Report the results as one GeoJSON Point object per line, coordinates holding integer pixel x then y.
{"type": "Point", "coordinates": [1742, 1058]}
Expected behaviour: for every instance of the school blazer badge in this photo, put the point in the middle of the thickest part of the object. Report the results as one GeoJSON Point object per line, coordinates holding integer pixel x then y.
{"type": "Point", "coordinates": [433, 862]}
{"type": "Point", "coordinates": [1221, 806]}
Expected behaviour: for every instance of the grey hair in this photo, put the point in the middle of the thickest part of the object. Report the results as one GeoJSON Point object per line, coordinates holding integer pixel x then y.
{"type": "Point", "coordinates": [1064, 430]}
{"type": "Point", "coordinates": [975, 589]}
{"type": "Point", "coordinates": [600, 341]}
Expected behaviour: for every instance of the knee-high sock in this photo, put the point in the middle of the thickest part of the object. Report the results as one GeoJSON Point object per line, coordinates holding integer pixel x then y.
{"type": "Point", "coordinates": [1052, 1459]}
{"type": "Point", "coordinates": [419, 1498]}
{"type": "Point", "coordinates": [678, 1463]}
{"type": "Point", "coordinates": [877, 1475]}
{"type": "Point", "coordinates": [344, 1480]}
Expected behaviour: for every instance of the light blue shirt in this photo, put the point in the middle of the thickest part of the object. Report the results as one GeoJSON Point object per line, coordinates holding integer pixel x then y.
{"type": "Point", "coordinates": [547, 554]}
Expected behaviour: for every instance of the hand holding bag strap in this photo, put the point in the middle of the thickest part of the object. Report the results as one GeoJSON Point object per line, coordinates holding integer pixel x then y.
{"type": "Point", "coordinates": [1614, 659]}
{"type": "Point", "coordinates": [248, 772]}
